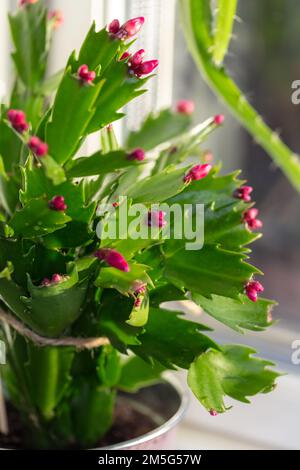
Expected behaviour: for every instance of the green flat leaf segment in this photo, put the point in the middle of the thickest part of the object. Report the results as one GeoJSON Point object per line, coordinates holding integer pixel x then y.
{"type": "Point", "coordinates": [112, 278]}
{"type": "Point", "coordinates": [158, 129]}
{"type": "Point", "coordinates": [98, 49]}
{"type": "Point", "coordinates": [36, 219]}
{"type": "Point", "coordinates": [237, 314]}
{"type": "Point", "coordinates": [171, 340]}
{"type": "Point", "coordinates": [232, 371]}
{"type": "Point", "coordinates": [29, 33]}
{"type": "Point", "coordinates": [56, 307]}
{"type": "Point", "coordinates": [159, 187]}
{"type": "Point", "coordinates": [73, 108]}
{"type": "Point", "coordinates": [100, 164]}
{"type": "Point", "coordinates": [49, 374]}
{"type": "Point", "coordinates": [211, 270]}
{"type": "Point", "coordinates": [137, 374]}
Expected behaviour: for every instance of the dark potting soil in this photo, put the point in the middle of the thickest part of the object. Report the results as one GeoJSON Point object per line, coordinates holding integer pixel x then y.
{"type": "Point", "coordinates": [128, 423]}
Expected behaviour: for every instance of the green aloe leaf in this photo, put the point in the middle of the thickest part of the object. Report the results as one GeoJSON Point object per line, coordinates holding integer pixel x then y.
{"type": "Point", "coordinates": [232, 372]}
{"type": "Point", "coordinates": [238, 314]}
{"type": "Point", "coordinates": [36, 219]}
{"type": "Point", "coordinates": [100, 164]}
{"type": "Point", "coordinates": [211, 270]}
{"type": "Point", "coordinates": [29, 33]}
{"type": "Point", "coordinates": [171, 340]}
{"type": "Point", "coordinates": [158, 129]}
{"type": "Point", "coordinates": [137, 374]}
{"type": "Point", "coordinates": [73, 108]}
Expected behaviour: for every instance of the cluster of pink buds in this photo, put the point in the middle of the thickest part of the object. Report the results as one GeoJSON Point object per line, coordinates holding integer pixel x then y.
{"type": "Point", "coordinates": [244, 193]}
{"type": "Point", "coordinates": [219, 119]}
{"type": "Point", "coordinates": [156, 219]}
{"type": "Point", "coordinates": [250, 219]}
{"type": "Point", "coordinates": [56, 279]}
{"type": "Point", "coordinates": [27, 2]}
{"type": "Point", "coordinates": [138, 302]}
{"type": "Point", "coordinates": [213, 412]}
{"type": "Point", "coordinates": [186, 107]}
{"type": "Point", "coordinates": [56, 17]}
{"type": "Point", "coordinates": [138, 67]}
{"type": "Point", "coordinates": [113, 258]}
{"type": "Point", "coordinates": [58, 204]}
{"type": "Point", "coordinates": [197, 173]}
{"type": "Point", "coordinates": [252, 288]}
{"type": "Point", "coordinates": [137, 154]}
{"type": "Point", "coordinates": [138, 287]}
{"type": "Point", "coordinates": [127, 30]}
{"type": "Point", "coordinates": [37, 146]}
{"type": "Point", "coordinates": [18, 121]}
{"type": "Point", "coordinates": [85, 75]}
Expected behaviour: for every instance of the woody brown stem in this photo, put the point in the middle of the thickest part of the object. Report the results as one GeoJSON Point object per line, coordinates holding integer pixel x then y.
{"type": "Point", "coordinates": [78, 343]}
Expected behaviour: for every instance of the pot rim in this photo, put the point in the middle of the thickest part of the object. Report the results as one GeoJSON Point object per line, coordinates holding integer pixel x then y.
{"type": "Point", "coordinates": [165, 427]}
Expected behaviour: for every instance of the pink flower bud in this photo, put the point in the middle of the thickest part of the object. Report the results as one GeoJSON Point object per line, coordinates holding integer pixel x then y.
{"type": "Point", "coordinates": [138, 302]}
{"type": "Point", "coordinates": [37, 146]}
{"type": "Point", "coordinates": [58, 204]}
{"type": "Point", "coordinates": [113, 258]}
{"type": "Point", "coordinates": [197, 173]}
{"type": "Point", "coordinates": [124, 56]}
{"type": "Point", "coordinates": [56, 278]}
{"type": "Point", "coordinates": [127, 30]}
{"type": "Point", "coordinates": [57, 17]}
{"type": "Point", "coordinates": [156, 219]}
{"type": "Point", "coordinates": [250, 219]}
{"type": "Point", "coordinates": [115, 204]}
{"type": "Point", "coordinates": [138, 287]}
{"type": "Point", "coordinates": [137, 154]}
{"type": "Point", "coordinates": [219, 119]}
{"type": "Point", "coordinates": [137, 59]}
{"type": "Point", "coordinates": [252, 288]}
{"type": "Point", "coordinates": [17, 119]}
{"type": "Point", "coordinates": [114, 27]}
{"type": "Point", "coordinates": [85, 75]}
{"type": "Point", "coordinates": [145, 68]}
{"type": "Point", "coordinates": [185, 107]}
{"type": "Point", "coordinates": [243, 193]}
{"type": "Point", "coordinates": [27, 2]}
{"type": "Point", "coordinates": [46, 282]}
{"type": "Point", "coordinates": [213, 412]}
{"type": "Point", "coordinates": [133, 26]}
{"type": "Point", "coordinates": [256, 285]}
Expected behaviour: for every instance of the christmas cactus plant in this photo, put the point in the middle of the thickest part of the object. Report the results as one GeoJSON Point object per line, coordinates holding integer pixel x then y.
{"type": "Point", "coordinates": [82, 308]}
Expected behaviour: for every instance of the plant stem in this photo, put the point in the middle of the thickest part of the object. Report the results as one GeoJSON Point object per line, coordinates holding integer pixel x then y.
{"type": "Point", "coordinates": [4, 429]}
{"type": "Point", "coordinates": [227, 90]}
